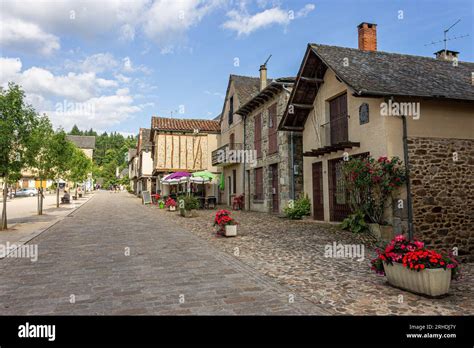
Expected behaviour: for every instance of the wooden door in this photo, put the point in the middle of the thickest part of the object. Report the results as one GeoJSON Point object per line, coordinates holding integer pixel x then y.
{"type": "Point", "coordinates": [338, 119]}
{"type": "Point", "coordinates": [318, 199]}
{"type": "Point", "coordinates": [338, 196]}
{"type": "Point", "coordinates": [274, 187]}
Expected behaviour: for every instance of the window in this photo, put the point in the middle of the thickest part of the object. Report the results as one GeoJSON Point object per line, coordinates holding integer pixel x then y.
{"type": "Point", "coordinates": [258, 184]}
{"type": "Point", "coordinates": [231, 110]}
{"type": "Point", "coordinates": [232, 141]}
{"type": "Point", "coordinates": [272, 129]}
{"type": "Point", "coordinates": [258, 135]}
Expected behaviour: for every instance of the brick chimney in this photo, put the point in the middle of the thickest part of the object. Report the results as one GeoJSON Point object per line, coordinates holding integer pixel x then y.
{"type": "Point", "coordinates": [367, 36]}
{"type": "Point", "coordinates": [446, 55]}
{"type": "Point", "coordinates": [263, 76]}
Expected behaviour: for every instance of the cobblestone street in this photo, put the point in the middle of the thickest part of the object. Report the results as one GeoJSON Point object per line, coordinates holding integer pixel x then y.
{"type": "Point", "coordinates": [83, 267]}
{"type": "Point", "coordinates": [292, 252]}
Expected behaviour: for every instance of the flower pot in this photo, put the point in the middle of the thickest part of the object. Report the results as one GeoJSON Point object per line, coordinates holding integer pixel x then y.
{"type": "Point", "coordinates": [431, 282]}
{"type": "Point", "coordinates": [172, 208]}
{"type": "Point", "coordinates": [230, 231]}
{"type": "Point", "coordinates": [186, 213]}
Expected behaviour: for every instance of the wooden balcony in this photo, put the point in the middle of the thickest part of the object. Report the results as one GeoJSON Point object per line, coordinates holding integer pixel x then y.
{"type": "Point", "coordinates": [220, 156]}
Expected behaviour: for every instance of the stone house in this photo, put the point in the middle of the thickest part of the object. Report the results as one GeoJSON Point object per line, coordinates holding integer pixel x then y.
{"type": "Point", "coordinates": [339, 103]}
{"type": "Point", "coordinates": [182, 145]}
{"type": "Point", "coordinates": [132, 161]}
{"type": "Point", "coordinates": [274, 175]}
{"type": "Point", "coordinates": [240, 89]}
{"type": "Point", "coordinates": [87, 144]}
{"type": "Point", "coordinates": [145, 178]}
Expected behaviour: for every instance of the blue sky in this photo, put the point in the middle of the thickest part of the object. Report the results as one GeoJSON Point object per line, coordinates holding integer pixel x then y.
{"type": "Point", "coordinates": [111, 65]}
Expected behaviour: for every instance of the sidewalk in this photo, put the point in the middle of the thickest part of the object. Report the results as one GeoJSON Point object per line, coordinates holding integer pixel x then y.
{"type": "Point", "coordinates": [23, 222]}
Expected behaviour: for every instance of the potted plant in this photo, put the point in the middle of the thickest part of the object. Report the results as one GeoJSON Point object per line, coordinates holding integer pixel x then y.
{"type": "Point", "coordinates": [170, 203]}
{"type": "Point", "coordinates": [410, 266]}
{"type": "Point", "coordinates": [227, 225]}
{"type": "Point", "coordinates": [187, 205]}
{"type": "Point", "coordinates": [370, 183]}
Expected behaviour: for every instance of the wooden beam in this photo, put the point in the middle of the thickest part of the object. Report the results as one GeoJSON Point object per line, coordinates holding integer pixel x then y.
{"type": "Point", "coordinates": [311, 79]}
{"type": "Point", "coordinates": [303, 106]}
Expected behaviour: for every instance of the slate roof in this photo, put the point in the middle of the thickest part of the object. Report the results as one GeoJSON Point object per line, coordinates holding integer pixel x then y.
{"type": "Point", "coordinates": [82, 141]}
{"type": "Point", "coordinates": [273, 87]}
{"type": "Point", "coordinates": [185, 125]}
{"type": "Point", "coordinates": [246, 87]}
{"type": "Point", "coordinates": [386, 74]}
{"type": "Point", "coordinates": [131, 154]}
{"type": "Point", "coordinates": [145, 140]}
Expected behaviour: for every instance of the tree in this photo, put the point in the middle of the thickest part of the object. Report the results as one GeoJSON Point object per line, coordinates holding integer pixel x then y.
{"type": "Point", "coordinates": [75, 131]}
{"type": "Point", "coordinates": [80, 167]}
{"type": "Point", "coordinates": [61, 153]}
{"type": "Point", "coordinates": [17, 119]}
{"type": "Point", "coordinates": [40, 154]}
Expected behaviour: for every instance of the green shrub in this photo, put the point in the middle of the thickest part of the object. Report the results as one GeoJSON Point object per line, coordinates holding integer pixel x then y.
{"type": "Point", "coordinates": [188, 202]}
{"type": "Point", "coordinates": [355, 222]}
{"type": "Point", "coordinates": [299, 208]}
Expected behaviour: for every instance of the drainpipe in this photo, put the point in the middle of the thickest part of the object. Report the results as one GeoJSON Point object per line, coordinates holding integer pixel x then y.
{"type": "Point", "coordinates": [407, 171]}
{"type": "Point", "coordinates": [244, 160]}
{"type": "Point", "coordinates": [292, 168]}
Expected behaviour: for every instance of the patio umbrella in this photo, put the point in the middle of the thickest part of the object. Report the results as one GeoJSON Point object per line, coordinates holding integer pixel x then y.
{"type": "Point", "coordinates": [178, 175]}
{"type": "Point", "coordinates": [222, 182]}
{"type": "Point", "coordinates": [202, 177]}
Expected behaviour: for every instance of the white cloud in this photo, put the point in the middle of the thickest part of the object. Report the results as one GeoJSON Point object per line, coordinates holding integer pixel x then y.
{"type": "Point", "coordinates": [167, 19]}
{"type": "Point", "coordinates": [73, 98]}
{"type": "Point", "coordinates": [244, 23]}
{"type": "Point", "coordinates": [38, 23]}
{"type": "Point", "coordinates": [305, 10]}
{"type": "Point", "coordinates": [97, 63]}
{"type": "Point", "coordinates": [103, 111]}
{"type": "Point", "coordinates": [21, 35]}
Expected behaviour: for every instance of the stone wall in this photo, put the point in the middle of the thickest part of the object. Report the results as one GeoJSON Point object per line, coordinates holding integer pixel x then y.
{"type": "Point", "coordinates": [442, 189]}
{"type": "Point", "coordinates": [281, 157]}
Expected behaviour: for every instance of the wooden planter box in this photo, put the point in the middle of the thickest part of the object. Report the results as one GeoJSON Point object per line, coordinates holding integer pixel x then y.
{"type": "Point", "coordinates": [431, 282]}
{"type": "Point", "coordinates": [230, 231]}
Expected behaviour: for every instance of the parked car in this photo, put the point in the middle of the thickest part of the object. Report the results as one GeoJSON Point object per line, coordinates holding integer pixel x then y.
{"type": "Point", "coordinates": [26, 192]}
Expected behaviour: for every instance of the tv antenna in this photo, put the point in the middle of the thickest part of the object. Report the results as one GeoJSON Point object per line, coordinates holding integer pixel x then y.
{"type": "Point", "coordinates": [265, 64]}
{"type": "Point", "coordinates": [446, 39]}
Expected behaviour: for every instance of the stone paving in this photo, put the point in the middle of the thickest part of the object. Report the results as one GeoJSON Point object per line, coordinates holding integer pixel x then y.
{"type": "Point", "coordinates": [292, 252]}
{"type": "Point", "coordinates": [116, 256]}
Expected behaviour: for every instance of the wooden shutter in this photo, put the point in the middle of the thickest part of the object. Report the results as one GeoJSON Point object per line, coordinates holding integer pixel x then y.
{"type": "Point", "coordinates": [258, 183]}
{"type": "Point", "coordinates": [272, 129]}
{"type": "Point", "coordinates": [338, 119]}
{"type": "Point", "coordinates": [258, 135]}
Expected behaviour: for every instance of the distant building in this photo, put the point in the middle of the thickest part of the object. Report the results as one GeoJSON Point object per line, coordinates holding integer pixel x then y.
{"type": "Point", "coordinates": [87, 144]}
{"type": "Point", "coordinates": [145, 176]}
{"type": "Point", "coordinates": [132, 161]}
